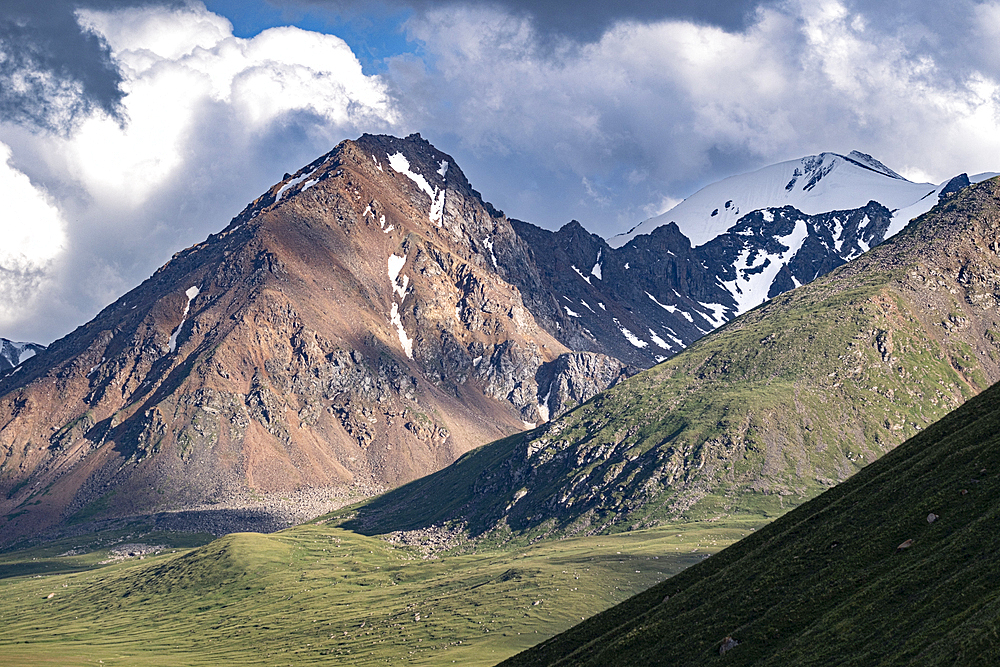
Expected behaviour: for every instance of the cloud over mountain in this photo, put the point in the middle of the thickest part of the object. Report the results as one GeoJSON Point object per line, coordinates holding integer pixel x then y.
{"type": "Point", "coordinates": [656, 107]}
{"type": "Point", "coordinates": [204, 118]}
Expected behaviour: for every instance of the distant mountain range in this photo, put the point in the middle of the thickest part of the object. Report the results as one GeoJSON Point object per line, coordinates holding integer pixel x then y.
{"type": "Point", "coordinates": [646, 295]}
{"type": "Point", "coordinates": [370, 318]}
{"type": "Point", "coordinates": [813, 184]}
{"type": "Point", "coordinates": [765, 413]}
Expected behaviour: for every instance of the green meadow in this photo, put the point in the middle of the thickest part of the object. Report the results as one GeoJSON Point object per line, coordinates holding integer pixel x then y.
{"type": "Point", "coordinates": [319, 594]}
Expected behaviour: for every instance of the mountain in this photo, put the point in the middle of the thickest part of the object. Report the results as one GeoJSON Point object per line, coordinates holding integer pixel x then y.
{"type": "Point", "coordinates": [775, 407]}
{"type": "Point", "coordinates": [649, 299]}
{"type": "Point", "coordinates": [364, 322]}
{"type": "Point", "coordinates": [352, 329]}
{"type": "Point", "coordinates": [812, 184]}
{"type": "Point", "coordinates": [12, 354]}
{"type": "Point", "coordinates": [896, 566]}
{"type": "Point", "coordinates": [646, 295]}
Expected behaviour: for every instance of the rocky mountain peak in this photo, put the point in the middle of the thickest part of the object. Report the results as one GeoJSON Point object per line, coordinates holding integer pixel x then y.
{"type": "Point", "coordinates": [351, 329]}
{"type": "Point", "coordinates": [869, 162]}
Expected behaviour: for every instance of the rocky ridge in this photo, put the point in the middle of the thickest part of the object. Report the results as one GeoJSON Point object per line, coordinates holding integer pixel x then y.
{"type": "Point", "coordinates": [647, 300]}
{"type": "Point", "coordinates": [894, 566]}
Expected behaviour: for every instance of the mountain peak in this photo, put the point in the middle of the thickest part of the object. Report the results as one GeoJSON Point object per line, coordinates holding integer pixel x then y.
{"type": "Point", "coordinates": [813, 184]}
{"type": "Point", "coordinates": [357, 326]}
{"type": "Point", "coordinates": [869, 162]}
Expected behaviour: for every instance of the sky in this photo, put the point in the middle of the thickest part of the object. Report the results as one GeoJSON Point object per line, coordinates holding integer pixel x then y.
{"type": "Point", "coordinates": [132, 129]}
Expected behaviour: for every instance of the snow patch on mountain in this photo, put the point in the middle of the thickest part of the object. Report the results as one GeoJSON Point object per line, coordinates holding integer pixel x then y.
{"type": "Point", "coordinates": [13, 354]}
{"type": "Point", "coordinates": [666, 307]}
{"type": "Point", "coordinates": [395, 266]}
{"type": "Point", "coordinates": [659, 341]}
{"type": "Point", "coordinates": [718, 313]}
{"type": "Point", "coordinates": [756, 270]}
{"type": "Point", "coordinates": [404, 340]}
{"type": "Point", "coordinates": [295, 181]}
{"type": "Point", "coordinates": [631, 337]}
{"type": "Point", "coordinates": [190, 293]}
{"type": "Point", "coordinates": [488, 244]}
{"type": "Point", "coordinates": [437, 207]}
{"type": "Point", "coordinates": [400, 164]}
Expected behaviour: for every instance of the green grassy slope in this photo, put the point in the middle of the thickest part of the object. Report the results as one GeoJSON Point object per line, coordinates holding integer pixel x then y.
{"type": "Point", "coordinates": [317, 594]}
{"type": "Point", "coordinates": [769, 411]}
{"type": "Point", "coordinates": [826, 584]}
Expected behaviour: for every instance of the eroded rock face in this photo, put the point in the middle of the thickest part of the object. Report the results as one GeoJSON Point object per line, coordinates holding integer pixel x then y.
{"type": "Point", "coordinates": [354, 327]}
{"type": "Point", "coordinates": [575, 378]}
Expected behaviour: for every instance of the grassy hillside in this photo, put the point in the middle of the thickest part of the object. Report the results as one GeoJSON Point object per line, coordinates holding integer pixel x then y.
{"type": "Point", "coordinates": [776, 407]}
{"type": "Point", "coordinates": [317, 594]}
{"type": "Point", "coordinates": [831, 583]}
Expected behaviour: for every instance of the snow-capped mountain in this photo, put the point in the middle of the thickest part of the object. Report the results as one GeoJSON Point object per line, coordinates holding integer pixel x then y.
{"type": "Point", "coordinates": [370, 318]}
{"type": "Point", "coordinates": [814, 184]}
{"type": "Point", "coordinates": [645, 295]}
{"type": "Point", "coordinates": [12, 353]}
{"type": "Point", "coordinates": [649, 299]}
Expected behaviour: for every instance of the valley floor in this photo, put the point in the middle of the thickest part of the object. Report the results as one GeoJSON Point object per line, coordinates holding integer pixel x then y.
{"type": "Point", "coordinates": [318, 594]}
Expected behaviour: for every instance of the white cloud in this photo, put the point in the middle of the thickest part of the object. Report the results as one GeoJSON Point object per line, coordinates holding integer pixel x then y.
{"type": "Point", "coordinates": [33, 235]}
{"type": "Point", "coordinates": [31, 227]}
{"type": "Point", "coordinates": [178, 62]}
{"type": "Point", "coordinates": [212, 120]}
{"type": "Point", "coordinates": [656, 208]}
{"type": "Point", "coordinates": [654, 110]}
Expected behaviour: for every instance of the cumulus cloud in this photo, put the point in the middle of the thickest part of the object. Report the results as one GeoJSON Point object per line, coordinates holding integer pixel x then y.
{"type": "Point", "coordinates": [33, 235]}
{"type": "Point", "coordinates": [209, 120]}
{"type": "Point", "coordinates": [682, 103]}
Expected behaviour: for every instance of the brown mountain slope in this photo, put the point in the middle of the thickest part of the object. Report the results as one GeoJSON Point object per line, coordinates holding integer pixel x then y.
{"type": "Point", "coordinates": [349, 330]}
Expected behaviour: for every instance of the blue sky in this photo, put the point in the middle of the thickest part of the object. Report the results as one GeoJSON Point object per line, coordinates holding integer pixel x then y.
{"type": "Point", "coordinates": [132, 128]}
{"type": "Point", "coordinates": [373, 36]}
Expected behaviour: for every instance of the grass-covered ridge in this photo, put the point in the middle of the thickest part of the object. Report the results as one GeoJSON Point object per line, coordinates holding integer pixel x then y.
{"type": "Point", "coordinates": [779, 405]}
{"type": "Point", "coordinates": [317, 594]}
{"type": "Point", "coordinates": [860, 575]}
